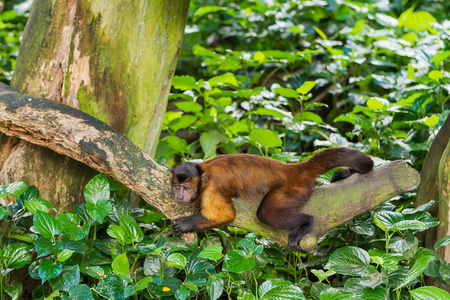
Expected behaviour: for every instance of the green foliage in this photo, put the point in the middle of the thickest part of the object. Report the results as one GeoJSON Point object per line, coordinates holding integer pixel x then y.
{"type": "Point", "coordinates": [265, 66]}
{"type": "Point", "coordinates": [12, 25]}
{"type": "Point", "coordinates": [81, 257]}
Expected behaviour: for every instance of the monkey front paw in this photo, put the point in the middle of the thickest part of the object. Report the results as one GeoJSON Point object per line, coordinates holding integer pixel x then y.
{"type": "Point", "coordinates": [182, 225]}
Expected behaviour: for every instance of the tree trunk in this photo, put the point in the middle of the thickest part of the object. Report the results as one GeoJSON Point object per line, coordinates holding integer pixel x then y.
{"type": "Point", "coordinates": [111, 59]}
{"type": "Point", "coordinates": [435, 185]}
{"type": "Point", "coordinates": [73, 133]}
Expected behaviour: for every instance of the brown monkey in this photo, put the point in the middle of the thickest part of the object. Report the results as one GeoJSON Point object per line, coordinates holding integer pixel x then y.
{"type": "Point", "coordinates": [283, 188]}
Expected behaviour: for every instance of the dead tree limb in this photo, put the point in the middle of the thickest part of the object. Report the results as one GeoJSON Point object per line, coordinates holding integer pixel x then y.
{"type": "Point", "coordinates": [71, 132]}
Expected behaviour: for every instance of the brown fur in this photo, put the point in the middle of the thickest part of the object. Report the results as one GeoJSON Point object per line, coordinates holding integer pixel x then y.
{"type": "Point", "coordinates": [281, 188]}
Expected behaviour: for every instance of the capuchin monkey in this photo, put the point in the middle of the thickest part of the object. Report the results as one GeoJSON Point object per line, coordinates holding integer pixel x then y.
{"type": "Point", "coordinates": [283, 188]}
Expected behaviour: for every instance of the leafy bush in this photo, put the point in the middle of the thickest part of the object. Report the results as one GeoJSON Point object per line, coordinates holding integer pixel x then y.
{"type": "Point", "coordinates": [101, 252]}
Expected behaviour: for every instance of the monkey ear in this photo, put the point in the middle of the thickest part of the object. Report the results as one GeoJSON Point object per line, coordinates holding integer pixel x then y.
{"type": "Point", "coordinates": [199, 170]}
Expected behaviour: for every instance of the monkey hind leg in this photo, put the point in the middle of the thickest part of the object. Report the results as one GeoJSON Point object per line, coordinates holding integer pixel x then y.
{"type": "Point", "coordinates": [280, 209]}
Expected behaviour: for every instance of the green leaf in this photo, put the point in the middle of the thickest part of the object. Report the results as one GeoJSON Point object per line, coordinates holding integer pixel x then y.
{"type": "Point", "coordinates": [209, 141]}
{"type": "Point", "coordinates": [435, 75]}
{"type": "Point", "coordinates": [237, 262]}
{"type": "Point", "coordinates": [440, 57]}
{"type": "Point", "coordinates": [214, 287]}
{"type": "Point", "coordinates": [80, 292]}
{"type": "Point", "coordinates": [14, 289]}
{"type": "Point", "coordinates": [184, 82]}
{"type": "Point", "coordinates": [18, 255]}
{"type": "Point", "coordinates": [69, 277]}
{"type": "Point", "coordinates": [64, 255]}
{"type": "Point", "coordinates": [33, 206]}
{"type": "Point", "coordinates": [225, 79]}
{"type": "Point", "coordinates": [117, 233]}
{"type": "Point", "coordinates": [31, 193]}
{"type": "Point", "coordinates": [432, 121]}
{"type": "Point", "coordinates": [348, 260]}
{"type": "Point", "coordinates": [445, 241]}
{"type": "Point", "coordinates": [322, 275]}
{"type": "Point", "coordinates": [13, 189]}
{"type": "Point", "coordinates": [99, 210]}
{"type": "Point", "coordinates": [131, 227]}
{"type": "Point", "coordinates": [177, 260]}
{"type": "Point", "coordinates": [175, 143]}
{"type": "Point", "coordinates": [46, 225]}
{"type": "Point", "coordinates": [418, 21]}
{"type": "Point", "coordinates": [308, 116]}
{"type": "Point", "coordinates": [208, 9]}
{"type": "Point", "coordinates": [143, 283]}
{"type": "Point", "coordinates": [259, 57]}
{"type": "Point", "coordinates": [429, 293]}
{"type": "Point", "coordinates": [279, 289]}
{"type": "Point", "coordinates": [266, 138]}
{"type": "Point", "coordinates": [48, 269]}
{"type": "Point", "coordinates": [183, 122]}
{"type": "Point", "coordinates": [246, 296]}
{"type": "Point", "coordinates": [113, 287]}
{"type": "Point", "coordinates": [120, 264]}
{"type": "Point", "coordinates": [374, 104]}
{"type": "Point", "coordinates": [306, 87]}
{"type": "Point", "coordinates": [416, 270]}
{"type": "Point", "coordinates": [183, 293]}
{"type": "Point", "coordinates": [213, 252]}
{"type": "Point", "coordinates": [320, 33]}
{"type": "Point", "coordinates": [288, 93]}
{"type": "Point", "coordinates": [387, 219]}
{"type": "Point", "coordinates": [271, 112]}
{"type": "Point", "coordinates": [97, 189]}
{"type": "Point", "coordinates": [151, 217]}
{"type": "Point", "coordinates": [409, 225]}
{"type": "Point", "coordinates": [189, 107]}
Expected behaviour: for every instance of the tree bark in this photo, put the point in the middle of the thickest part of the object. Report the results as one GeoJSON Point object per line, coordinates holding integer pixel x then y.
{"type": "Point", "coordinates": [111, 59]}
{"type": "Point", "coordinates": [73, 133]}
{"type": "Point", "coordinates": [435, 185]}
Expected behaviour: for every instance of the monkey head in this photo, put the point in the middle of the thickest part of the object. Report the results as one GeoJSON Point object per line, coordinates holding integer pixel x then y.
{"type": "Point", "coordinates": [186, 180]}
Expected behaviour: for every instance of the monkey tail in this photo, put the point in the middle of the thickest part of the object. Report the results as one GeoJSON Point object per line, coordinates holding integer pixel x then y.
{"type": "Point", "coordinates": [328, 159]}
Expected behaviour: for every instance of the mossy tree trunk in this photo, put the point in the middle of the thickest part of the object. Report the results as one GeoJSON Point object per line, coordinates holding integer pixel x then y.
{"type": "Point", "coordinates": [435, 185]}
{"type": "Point", "coordinates": [111, 59]}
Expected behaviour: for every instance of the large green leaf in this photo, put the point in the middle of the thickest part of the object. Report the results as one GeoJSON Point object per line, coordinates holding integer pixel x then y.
{"type": "Point", "coordinates": [236, 261]}
{"type": "Point", "coordinates": [131, 227]}
{"type": "Point", "coordinates": [213, 252]}
{"type": "Point", "coordinates": [99, 210]}
{"type": "Point", "coordinates": [227, 79]}
{"type": "Point", "coordinates": [429, 293]}
{"type": "Point", "coordinates": [69, 277]}
{"type": "Point", "coordinates": [15, 189]}
{"type": "Point", "coordinates": [46, 225]}
{"type": "Point", "coordinates": [348, 260]}
{"type": "Point", "coordinates": [177, 260]}
{"type": "Point", "coordinates": [18, 255]}
{"type": "Point", "coordinates": [445, 241]}
{"type": "Point", "coordinates": [214, 287]}
{"type": "Point", "coordinates": [97, 189]}
{"type": "Point", "coordinates": [184, 82]}
{"type": "Point", "coordinates": [279, 289]}
{"type": "Point", "coordinates": [387, 219]}
{"type": "Point", "coordinates": [416, 270]}
{"type": "Point", "coordinates": [48, 269]}
{"type": "Point", "coordinates": [120, 264]}
{"type": "Point", "coordinates": [266, 138]}
{"type": "Point", "coordinates": [14, 289]}
{"type": "Point", "coordinates": [80, 292]}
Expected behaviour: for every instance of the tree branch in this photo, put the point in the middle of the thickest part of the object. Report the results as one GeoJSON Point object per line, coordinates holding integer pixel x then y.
{"type": "Point", "coordinates": [73, 133]}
